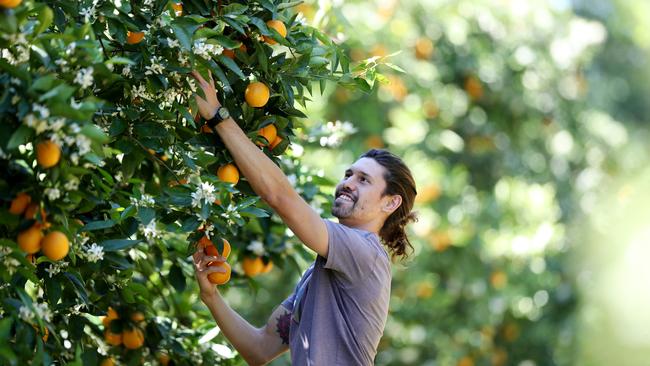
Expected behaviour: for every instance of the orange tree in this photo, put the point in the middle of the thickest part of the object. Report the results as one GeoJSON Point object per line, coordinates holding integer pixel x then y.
{"type": "Point", "coordinates": [109, 177]}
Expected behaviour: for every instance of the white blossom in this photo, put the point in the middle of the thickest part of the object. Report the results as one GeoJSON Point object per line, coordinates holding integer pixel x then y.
{"type": "Point", "coordinates": [156, 67]}
{"type": "Point", "coordinates": [84, 77]}
{"type": "Point", "coordinates": [87, 13]}
{"type": "Point", "coordinates": [203, 192]}
{"type": "Point", "coordinates": [257, 247]}
{"type": "Point", "coordinates": [74, 158]}
{"type": "Point", "coordinates": [72, 184]}
{"type": "Point", "coordinates": [42, 110]}
{"type": "Point", "coordinates": [140, 92]}
{"type": "Point", "coordinates": [173, 43]}
{"type": "Point", "coordinates": [83, 144]}
{"type": "Point", "coordinates": [206, 50]}
{"type": "Point", "coordinates": [74, 128]}
{"type": "Point", "coordinates": [11, 264]}
{"type": "Point", "coordinates": [43, 311]}
{"type": "Point", "coordinates": [25, 313]}
{"type": "Point", "coordinates": [150, 231]}
{"type": "Point", "coordinates": [126, 71]}
{"type": "Point", "coordinates": [57, 124]}
{"type": "Point", "coordinates": [39, 125]}
{"type": "Point", "coordinates": [94, 252]}
{"type": "Point", "coordinates": [52, 193]}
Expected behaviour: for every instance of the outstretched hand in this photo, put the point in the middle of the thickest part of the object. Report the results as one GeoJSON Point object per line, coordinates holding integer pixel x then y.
{"type": "Point", "coordinates": [202, 269]}
{"type": "Point", "coordinates": [208, 105]}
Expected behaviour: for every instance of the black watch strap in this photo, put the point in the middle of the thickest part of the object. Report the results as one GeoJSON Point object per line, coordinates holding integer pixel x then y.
{"type": "Point", "coordinates": [218, 117]}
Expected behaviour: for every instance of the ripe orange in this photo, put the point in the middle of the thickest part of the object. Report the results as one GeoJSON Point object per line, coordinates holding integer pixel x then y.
{"type": "Point", "coordinates": [473, 87]}
{"type": "Point", "coordinates": [279, 27]}
{"type": "Point", "coordinates": [231, 53]}
{"type": "Point", "coordinates": [267, 267]}
{"type": "Point", "coordinates": [134, 37]}
{"type": "Point", "coordinates": [10, 4]}
{"type": "Point", "coordinates": [228, 173]}
{"type": "Point", "coordinates": [178, 9]}
{"type": "Point", "coordinates": [423, 48]}
{"type": "Point", "coordinates": [108, 362]}
{"type": "Point", "coordinates": [219, 278]}
{"type": "Point", "coordinates": [114, 339]}
{"type": "Point", "coordinates": [163, 358]}
{"type": "Point", "coordinates": [253, 266]}
{"type": "Point", "coordinates": [276, 142]}
{"type": "Point", "coordinates": [19, 204]}
{"type": "Point", "coordinates": [257, 94]}
{"type": "Point", "coordinates": [133, 338]}
{"type": "Point", "coordinates": [111, 315]}
{"type": "Point", "coordinates": [269, 132]}
{"type": "Point", "coordinates": [48, 153]}
{"type": "Point", "coordinates": [55, 245]}
{"type": "Point", "coordinates": [212, 250]}
{"type": "Point", "coordinates": [29, 240]}
{"type": "Point", "coordinates": [137, 317]}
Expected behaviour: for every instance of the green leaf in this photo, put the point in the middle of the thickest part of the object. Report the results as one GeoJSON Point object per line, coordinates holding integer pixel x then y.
{"type": "Point", "coordinates": [177, 278]}
{"type": "Point", "coordinates": [78, 285]}
{"type": "Point", "coordinates": [146, 214]}
{"type": "Point", "coordinates": [114, 245]}
{"type": "Point", "coordinates": [234, 9]}
{"type": "Point", "coordinates": [231, 65]}
{"type": "Point", "coordinates": [254, 212]}
{"type": "Point", "coordinates": [21, 136]}
{"type": "Point", "coordinates": [97, 225]}
{"type": "Point", "coordinates": [44, 16]}
{"type": "Point", "coordinates": [184, 28]}
{"type": "Point", "coordinates": [394, 67]}
{"type": "Point", "coordinates": [95, 133]}
{"type": "Point", "coordinates": [235, 25]}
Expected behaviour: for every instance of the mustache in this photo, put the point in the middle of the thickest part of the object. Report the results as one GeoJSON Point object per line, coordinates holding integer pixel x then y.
{"type": "Point", "coordinates": [346, 191]}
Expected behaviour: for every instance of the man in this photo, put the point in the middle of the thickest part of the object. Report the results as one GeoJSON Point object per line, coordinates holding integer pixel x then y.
{"type": "Point", "coordinates": [338, 311]}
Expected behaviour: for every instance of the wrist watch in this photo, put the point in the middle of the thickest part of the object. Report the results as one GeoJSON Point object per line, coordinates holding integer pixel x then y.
{"type": "Point", "coordinates": [221, 114]}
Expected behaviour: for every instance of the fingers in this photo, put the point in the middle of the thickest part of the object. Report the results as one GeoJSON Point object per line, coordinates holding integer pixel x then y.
{"type": "Point", "coordinates": [198, 77]}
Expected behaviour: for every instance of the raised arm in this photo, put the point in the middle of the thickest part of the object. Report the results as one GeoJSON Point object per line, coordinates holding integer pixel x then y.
{"type": "Point", "coordinates": [266, 179]}
{"type": "Point", "coordinates": [257, 346]}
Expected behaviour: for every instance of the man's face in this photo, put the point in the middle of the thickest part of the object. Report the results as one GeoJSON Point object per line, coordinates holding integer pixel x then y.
{"type": "Point", "coordinates": [358, 196]}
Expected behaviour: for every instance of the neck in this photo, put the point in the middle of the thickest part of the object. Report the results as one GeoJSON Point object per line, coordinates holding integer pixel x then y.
{"type": "Point", "coordinates": [372, 226]}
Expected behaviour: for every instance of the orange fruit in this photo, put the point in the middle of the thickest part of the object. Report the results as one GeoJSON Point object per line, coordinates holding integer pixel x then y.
{"type": "Point", "coordinates": [423, 48]}
{"type": "Point", "coordinates": [253, 266]}
{"type": "Point", "coordinates": [257, 94]}
{"type": "Point", "coordinates": [178, 9]}
{"type": "Point", "coordinates": [29, 240]}
{"type": "Point", "coordinates": [276, 142]}
{"type": "Point", "coordinates": [55, 245]}
{"type": "Point", "coordinates": [10, 4]}
{"type": "Point", "coordinates": [31, 210]}
{"type": "Point", "coordinates": [114, 339]}
{"type": "Point", "coordinates": [163, 358]}
{"type": "Point", "coordinates": [206, 129]}
{"type": "Point", "coordinates": [269, 133]}
{"type": "Point", "coordinates": [473, 87]}
{"type": "Point", "coordinates": [111, 314]}
{"type": "Point", "coordinates": [134, 37]}
{"type": "Point", "coordinates": [19, 204]}
{"type": "Point", "coordinates": [108, 362]}
{"type": "Point", "coordinates": [212, 250]}
{"type": "Point", "coordinates": [137, 317]}
{"type": "Point", "coordinates": [228, 173]}
{"type": "Point", "coordinates": [133, 338]}
{"type": "Point", "coordinates": [498, 279]}
{"type": "Point", "coordinates": [466, 361]}
{"type": "Point", "coordinates": [279, 27]}
{"type": "Point", "coordinates": [31, 258]}
{"type": "Point", "coordinates": [231, 53]}
{"type": "Point", "coordinates": [219, 278]}
{"type": "Point", "coordinates": [48, 153]}
{"type": "Point", "coordinates": [267, 267]}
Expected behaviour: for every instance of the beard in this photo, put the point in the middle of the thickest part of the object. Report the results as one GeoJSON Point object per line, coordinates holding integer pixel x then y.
{"type": "Point", "coordinates": [343, 209]}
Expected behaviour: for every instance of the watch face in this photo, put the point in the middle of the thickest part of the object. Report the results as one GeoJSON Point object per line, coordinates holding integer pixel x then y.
{"type": "Point", "coordinates": [223, 113]}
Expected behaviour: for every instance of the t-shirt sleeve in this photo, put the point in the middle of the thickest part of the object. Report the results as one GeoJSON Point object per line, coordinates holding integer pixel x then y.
{"type": "Point", "coordinates": [288, 302]}
{"type": "Point", "coordinates": [349, 252]}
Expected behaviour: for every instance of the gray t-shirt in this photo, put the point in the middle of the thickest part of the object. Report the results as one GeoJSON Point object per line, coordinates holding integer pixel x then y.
{"type": "Point", "coordinates": [340, 305]}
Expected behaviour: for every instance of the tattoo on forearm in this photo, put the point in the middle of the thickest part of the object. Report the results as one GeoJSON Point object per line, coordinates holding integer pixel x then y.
{"type": "Point", "coordinates": [284, 322]}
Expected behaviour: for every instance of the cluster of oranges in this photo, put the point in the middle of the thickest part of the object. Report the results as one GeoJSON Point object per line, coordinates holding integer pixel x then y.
{"type": "Point", "coordinates": [254, 266]}
{"type": "Point", "coordinates": [54, 245]}
{"type": "Point", "coordinates": [131, 338]}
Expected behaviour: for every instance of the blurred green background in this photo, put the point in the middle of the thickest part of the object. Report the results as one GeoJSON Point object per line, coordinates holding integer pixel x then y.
{"type": "Point", "coordinates": [525, 125]}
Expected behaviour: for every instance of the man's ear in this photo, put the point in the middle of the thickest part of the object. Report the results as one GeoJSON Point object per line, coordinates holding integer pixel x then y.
{"type": "Point", "coordinates": [392, 203]}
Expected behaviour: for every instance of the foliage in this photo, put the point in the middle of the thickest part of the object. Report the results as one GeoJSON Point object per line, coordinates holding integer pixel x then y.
{"type": "Point", "coordinates": [136, 184]}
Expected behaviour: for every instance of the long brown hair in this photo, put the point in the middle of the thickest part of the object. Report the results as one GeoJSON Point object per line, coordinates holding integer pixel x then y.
{"type": "Point", "coordinates": [399, 181]}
